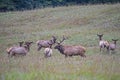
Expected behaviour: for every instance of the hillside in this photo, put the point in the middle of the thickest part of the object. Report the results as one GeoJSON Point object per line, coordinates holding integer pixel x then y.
{"type": "Point", "coordinates": [80, 24]}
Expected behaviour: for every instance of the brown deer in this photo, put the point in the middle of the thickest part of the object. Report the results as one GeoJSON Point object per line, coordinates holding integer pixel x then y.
{"type": "Point", "coordinates": [19, 50]}
{"type": "Point", "coordinates": [112, 46]}
{"type": "Point", "coordinates": [46, 43]}
{"type": "Point", "coordinates": [102, 43]}
{"type": "Point", "coordinates": [70, 50]}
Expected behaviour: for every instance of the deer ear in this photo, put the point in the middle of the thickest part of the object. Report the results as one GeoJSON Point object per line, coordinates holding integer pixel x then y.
{"type": "Point", "coordinates": [21, 42]}
{"type": "Point", "coordinates": [100, 34]}
{"type": "Point", "coordinates": [114, 39]}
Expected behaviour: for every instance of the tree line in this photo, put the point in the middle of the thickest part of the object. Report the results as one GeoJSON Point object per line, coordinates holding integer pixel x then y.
{"type": "Point", "coordinates": [12, 5]}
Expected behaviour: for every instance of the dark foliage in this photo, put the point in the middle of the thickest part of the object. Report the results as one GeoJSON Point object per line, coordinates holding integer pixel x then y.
{"type": "Point", "coordinates": [10, 5]}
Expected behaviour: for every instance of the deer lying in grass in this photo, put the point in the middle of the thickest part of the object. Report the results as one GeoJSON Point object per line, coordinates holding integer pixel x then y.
{"type": "Point", "coordinates": [19, 50]}
{"type": "Point", "coordinates": [48, 51]}
{"type": "Point", "coordinates": [46, 43]}
{"type": "Point", "coordinates": [102, 43]}
{"type": "Point", "coordinates": [112, 46]}
{"type": "Point", "coordinates": [70, 50]}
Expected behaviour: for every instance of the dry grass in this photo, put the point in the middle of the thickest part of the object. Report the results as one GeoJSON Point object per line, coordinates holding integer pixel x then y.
{"type": "Point", "coordinates": [80, 24]}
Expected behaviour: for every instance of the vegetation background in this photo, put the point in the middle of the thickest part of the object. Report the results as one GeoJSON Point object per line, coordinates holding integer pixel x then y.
{"type": "Point", "coordinates": [12, 5]}
{"type": "Point", "coordinates": [81, 23]}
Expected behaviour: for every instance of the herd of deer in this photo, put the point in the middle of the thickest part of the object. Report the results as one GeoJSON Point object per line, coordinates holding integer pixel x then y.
{"type": "Point", "coordinates": [24, 47]}
{"type": "Point", "coordinates": [105, 44]}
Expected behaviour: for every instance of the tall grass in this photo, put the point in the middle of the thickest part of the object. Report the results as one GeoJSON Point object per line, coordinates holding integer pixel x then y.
{"type": "Point", "coordinates": [80, 24]}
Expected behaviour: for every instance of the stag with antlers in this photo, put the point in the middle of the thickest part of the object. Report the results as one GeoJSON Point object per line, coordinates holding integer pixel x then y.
{"type": "Point", "coordinates": [70, 50]}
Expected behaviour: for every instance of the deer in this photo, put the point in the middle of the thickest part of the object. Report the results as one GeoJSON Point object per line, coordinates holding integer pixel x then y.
{"type": "Point", "coordinates": [70, 50]}
{"type": "Point", "coordinates": [102, 43]}
{"type": "Point", "coordinates": [48, 51]}
{"type": "Point", "coordinates": [45, 43]}
{"type": "Point", "coordinates": [19, 50]}
{"type": "Point", "coordinates": [112, 46]}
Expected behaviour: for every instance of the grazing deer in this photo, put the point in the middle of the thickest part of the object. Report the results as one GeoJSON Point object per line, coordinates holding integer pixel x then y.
{"type": "Point", "coordinates": [46, 43]}
{"type": "Point", "coordinates": [102, 43]}
{"type": "Point", "coordinates": [70, 50]}
{"type": "Point", "coordinates": [19, 50]}
{"type": "Point", "coordinates": [112, 46]}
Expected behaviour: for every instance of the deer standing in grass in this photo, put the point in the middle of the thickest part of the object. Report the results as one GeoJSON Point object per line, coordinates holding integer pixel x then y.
{"type": "Point", "coordinates": [112, 46]}
{"type": "Point", "coordinates": [102, 43]}
{"type": "Point", "coordinates": [46, 43]}
{"type": "Point", "coordinates": [70, 50]}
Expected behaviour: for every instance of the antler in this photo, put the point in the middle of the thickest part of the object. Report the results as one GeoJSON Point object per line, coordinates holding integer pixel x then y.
{"type": "Point", "coordinates": [63, 39]}
{"type": "Point", "coordinates": [53, 37]}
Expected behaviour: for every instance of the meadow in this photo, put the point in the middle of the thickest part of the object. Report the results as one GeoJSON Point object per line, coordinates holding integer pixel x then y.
{"type": "Point", "coordinates": [80, 24]}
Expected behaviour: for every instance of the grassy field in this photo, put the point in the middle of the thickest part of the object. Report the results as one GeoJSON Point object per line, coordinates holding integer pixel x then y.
{"type": "Point", "coordinates": [80, 24]}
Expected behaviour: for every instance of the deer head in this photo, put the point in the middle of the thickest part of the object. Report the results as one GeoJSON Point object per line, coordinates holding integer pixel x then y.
{"type": "Point", "coordinates": [58, 46]}
{"type": "Point", "coordinates": [100, 36]}
{"type": "Point", "coordinates": [28, 44]}
{"type": "Point", "coordinates": [114, 40]}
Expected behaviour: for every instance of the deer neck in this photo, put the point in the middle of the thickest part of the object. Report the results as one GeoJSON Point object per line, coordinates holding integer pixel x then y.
{"type": "Point", "coordinates": [51, 42]}
{"type": "Point", "coordinates": [100, 39]}
{"type": "Point", "coordinates": [114, 44]}
{"type": "Point", "coordinates": [27, 48]}
{"type": "Point", "coordinates": [61, 49]}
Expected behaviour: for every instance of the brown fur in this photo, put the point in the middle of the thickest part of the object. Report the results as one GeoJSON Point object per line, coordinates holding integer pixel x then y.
{"type": "Point", "coordinates": [19, 50]}
{"type": "Point", "coordinates": [46, 43]}
{"type": "Point", "coordinates": [112, 46]}
{"type": "Point", "coordinates": [102, 43]}
{"type": "Point", "coordinates": [71, 50]}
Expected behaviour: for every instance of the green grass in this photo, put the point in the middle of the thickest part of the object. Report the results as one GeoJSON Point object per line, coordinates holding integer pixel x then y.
{"type": "Point", "coordinates": [80, 24]}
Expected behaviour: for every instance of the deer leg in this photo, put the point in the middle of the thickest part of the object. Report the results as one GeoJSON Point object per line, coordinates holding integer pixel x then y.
{"type": "Point", "coordinates": [107, 49]}
{"type": "Point", "coordinates": [83, 55]}
{"type": "Point", "coordinates": [11, 54]}
{"type": "Point", "coordinates": [66, 56]}
{"type": "Point", "coordinates": [45, 56]}
{"type": "Point", "coordinates": [100, 49]}
{"type": "Point", "coordinates": [114, 51]}
{"type": "Point", "coordinates": [110, 52]}
{"type": "Point", "coordinates": [71, 55]}
{"type": "Point", "coordinates": [14, 54]}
